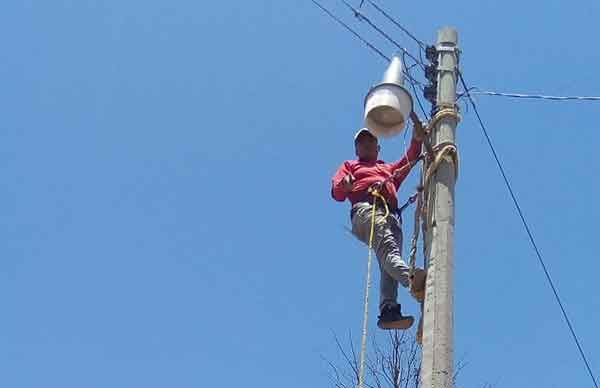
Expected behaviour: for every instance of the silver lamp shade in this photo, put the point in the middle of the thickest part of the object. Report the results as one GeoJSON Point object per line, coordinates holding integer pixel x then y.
{"type": "Point", "coordinates": [388, 104]}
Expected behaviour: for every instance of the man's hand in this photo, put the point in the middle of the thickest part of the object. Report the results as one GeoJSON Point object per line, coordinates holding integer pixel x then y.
{"type": "Point", "coordinates": [418, 128]}
{"type": "Point", "coordinates": [348, 183]}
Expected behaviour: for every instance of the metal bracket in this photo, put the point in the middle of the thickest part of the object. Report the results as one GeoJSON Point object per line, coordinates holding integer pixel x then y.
{"type": "Point", "coordinates": [447, 69]}
{"type": "Point", "coordinates": [452, 49]}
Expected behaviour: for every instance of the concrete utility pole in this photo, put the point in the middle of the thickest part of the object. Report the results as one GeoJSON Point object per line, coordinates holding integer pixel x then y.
{"type": "Point", "coordinates": [437, 369]}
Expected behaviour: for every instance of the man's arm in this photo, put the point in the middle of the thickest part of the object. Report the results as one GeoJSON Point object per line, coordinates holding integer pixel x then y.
{"type": "Point", "coordinates": [400, 168]}
{"type": "Point", "coordinates": [342, 183]}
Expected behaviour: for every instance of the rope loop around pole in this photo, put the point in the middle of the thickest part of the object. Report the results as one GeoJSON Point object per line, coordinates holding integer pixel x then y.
{"type": "Point", "coordinates": [444, 151]}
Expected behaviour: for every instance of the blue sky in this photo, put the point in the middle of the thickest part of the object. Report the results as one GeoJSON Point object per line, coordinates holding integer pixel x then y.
{"type": "Point", "coordinates": [166, 210]}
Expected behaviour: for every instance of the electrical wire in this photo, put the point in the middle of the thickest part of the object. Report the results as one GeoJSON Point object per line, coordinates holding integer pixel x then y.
{"type": "Point", "coordinates": [360, 16]}
{"type": "Point", "coordinates": [347, 27]}
{"type": "Point", "coordinates": [422, 45]}
{"type": "Point", "coordinates": [416, 94]}
{"type": "Point", "coordinates": [535, 96]}
{"type": "Point", "coordinates": [357, 35]}
{"type": "Point", "coordinates": [391, 19]}
{"type": "Point", "coordinates": [528, 230]}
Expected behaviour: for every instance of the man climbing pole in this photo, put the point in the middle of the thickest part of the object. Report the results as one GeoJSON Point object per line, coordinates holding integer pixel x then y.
{"type": "Point", "coordinates": [358, 180]}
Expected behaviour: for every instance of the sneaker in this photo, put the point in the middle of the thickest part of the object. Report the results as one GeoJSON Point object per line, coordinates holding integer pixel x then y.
{"type": "Point", "coordinates": [391, 318]}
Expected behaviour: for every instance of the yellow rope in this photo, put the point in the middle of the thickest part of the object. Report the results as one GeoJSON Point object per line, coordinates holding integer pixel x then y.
{"type": "Point", "coordinates": [440, 152]}
{"type": "Point", "coordinates": [436, 155]}
{"type": "Point", "coordinates": [446, 112]}
{"type": "Point", "coordinates": [442, 149]}
{"type": "Point", "coordinates": [363, 342]}
{"type": "Point", "coordinates": [415, 238]}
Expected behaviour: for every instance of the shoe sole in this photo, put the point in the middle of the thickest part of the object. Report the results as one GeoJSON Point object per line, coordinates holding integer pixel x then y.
{"type": "Point", "coordinates": [402, 324]}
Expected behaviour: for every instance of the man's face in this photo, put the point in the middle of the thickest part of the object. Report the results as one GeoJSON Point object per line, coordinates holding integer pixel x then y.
{"type": "Point", "coordinates": [367, 148]}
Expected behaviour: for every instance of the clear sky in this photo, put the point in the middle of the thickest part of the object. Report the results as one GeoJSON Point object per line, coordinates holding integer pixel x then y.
{"type": "Point", "coordinates": [166, 219]}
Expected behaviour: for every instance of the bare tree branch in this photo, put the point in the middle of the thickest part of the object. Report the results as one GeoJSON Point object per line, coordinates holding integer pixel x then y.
{"type": "Point", "coordinates": [393, 361]}
{"type": "Point", "coordinates": [351, 362]}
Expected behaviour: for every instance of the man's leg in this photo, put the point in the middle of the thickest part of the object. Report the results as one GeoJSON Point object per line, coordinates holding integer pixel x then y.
{"type": "Point", "coordinates": [388, 246]}
{"type": "Point", "coordinates": [388, 289]}
{"type": "Point", "coordinates": [387, 242]}
{"type": "Point", "coordinates": [391, 250]}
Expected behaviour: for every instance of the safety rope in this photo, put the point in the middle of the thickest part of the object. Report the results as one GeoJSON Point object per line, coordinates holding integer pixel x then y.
{"type": "Point", "coordinates": [415, 238]}
{"type": "Point", "coordinates": [431, 163]}
{"type": "Point", "coordinates": [446, 111]}
{"type": "Point", "coordinates": [433, 158]}
{"type": "Point", "coordinates": [363, 342]}
{"type": "Point", "coordinates": [440, 152]}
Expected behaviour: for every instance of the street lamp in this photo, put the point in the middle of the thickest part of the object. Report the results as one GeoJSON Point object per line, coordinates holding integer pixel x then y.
{"type": "Point", "coordinates": [388, 104]}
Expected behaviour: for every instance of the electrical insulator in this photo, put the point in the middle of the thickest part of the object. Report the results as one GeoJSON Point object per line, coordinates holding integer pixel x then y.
{"type": "Point", "coordinates": [430, 93]}
{"type": "Point", "coordinates": [431, 73]}
{"type": "Point", "coordinates": [431, 54]}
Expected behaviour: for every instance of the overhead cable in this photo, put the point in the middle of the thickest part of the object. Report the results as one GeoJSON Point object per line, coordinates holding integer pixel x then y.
{"type": "Point", "coordinates": [529, 233]}
{"type": "Point", "coordinates": [475, 91]}
{"type": "Point", "coordinates": [347, 27]}
{"type": "Point", "coordinates": [416, 93]}
{"type": "Point", "coordinates": [360, 16]}
{"type": "Point", "coordinates": [391, 19]}
{"type": "Point", "coordinates": [357, 35]}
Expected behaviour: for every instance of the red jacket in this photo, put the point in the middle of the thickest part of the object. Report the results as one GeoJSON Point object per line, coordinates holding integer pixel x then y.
{"type": "Point", "coordinates": [368, 173]}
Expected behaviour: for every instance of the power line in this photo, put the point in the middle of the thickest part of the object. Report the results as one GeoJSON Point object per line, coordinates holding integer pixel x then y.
{"type": "Point", "coordinates": [409, 68]}
{"type": "Point", "coordinates": [528, 230]}
{"type": "Point", "coordinates": [405, 52]}
{"type": "Point", "coordinates": [536, 96]}
{"type": "Point", "coordinates": [369, 45]}
{"type": "Point", "coordinates": [391, 19]}
{"type": "Point", "coordinates": [413, 82]}
{"type": "Point", "coordinates": [357, 35]}
{"type": "Point", "coordinates": [360, 16]}
{"type": "Point", "coordinates": [414, 88]}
